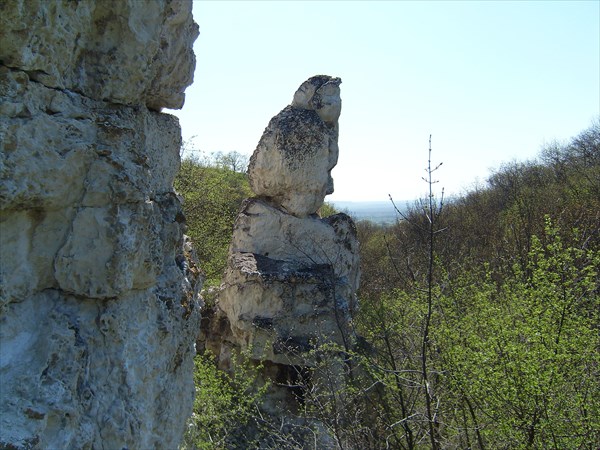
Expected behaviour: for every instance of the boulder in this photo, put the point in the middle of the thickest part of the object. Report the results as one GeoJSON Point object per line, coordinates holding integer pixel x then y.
{"type": "Point", "coordinates": [289, 280]}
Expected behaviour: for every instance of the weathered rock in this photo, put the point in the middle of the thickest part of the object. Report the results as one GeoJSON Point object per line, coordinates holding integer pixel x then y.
{"type": "Point", "coordinates": [98, 308]}
{"type": "Point", "coordinates": [291, 281]}
{"type": "Point", "coordinates": [127, 51]}
{"type": "Point", "coordinates": [293, 160]}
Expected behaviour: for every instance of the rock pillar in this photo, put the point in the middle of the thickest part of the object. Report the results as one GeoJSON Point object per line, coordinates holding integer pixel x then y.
{"type": "Point", "coordinates": [98, 310]}
{"type": "Point", "coordinates": [292, 277]}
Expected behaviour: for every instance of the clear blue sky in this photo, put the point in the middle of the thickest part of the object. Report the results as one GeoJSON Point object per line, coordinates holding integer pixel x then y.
{"type": "Point", "coordinates": [491, 81]}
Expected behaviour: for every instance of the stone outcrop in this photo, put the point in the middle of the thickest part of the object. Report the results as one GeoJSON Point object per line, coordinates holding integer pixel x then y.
{"type": "Point", "coordinates": [293, 160]}
{"type": "Point", "coordinates": [98, 308]}
{"type": "Point", "coordinates": [292, 277]}
{"type": "Point", "coordinates": [128, 51]}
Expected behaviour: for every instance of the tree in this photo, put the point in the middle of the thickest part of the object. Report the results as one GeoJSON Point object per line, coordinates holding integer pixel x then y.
{"type": "Point", "coordinates": [512, 347]}
{"type": "Point", "coordinates": [225, 406]}
{"type": "Point", "coordinates": [479, 326]}
{"type": "Point", "coordinates": [233, 160]}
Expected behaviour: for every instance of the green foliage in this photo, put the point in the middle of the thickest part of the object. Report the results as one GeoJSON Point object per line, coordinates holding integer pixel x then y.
{"type": "Point", "coordinates": [378, 265]}
{"type": "Point", "coordinates": [392, 324]}
{"type": "Point", "coordinates": [224, 405]}
{"type": "Point", "coordinates": [513, 351]}
{"type": "Point", "coordinates": [212, 194]}
{"type": "Point", "coordinates": [513, 362]}
{"type": "Point", "coordinates": [525, 353]}
{"type": "Point", "coordinates": [494, 224]}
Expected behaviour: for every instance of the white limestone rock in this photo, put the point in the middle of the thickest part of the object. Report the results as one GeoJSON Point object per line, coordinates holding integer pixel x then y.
{"type": "Point", "coordinates": [77, 373]}
{"type": "Point", "coordinates": [264, 229]}
{"type": "Point", "coordinates": [126, 51]}
{"type": "Point", "coordinates": [85, 179]}
{"type": "Point", "coordinates": [98, 305]}
{"type": "Point", "coordinates": [293, 160]}
{"type": "Point", "coordinates": [320, 93]}
{"type": "Point", "coordinates": [286, 280]}
{"type": "Point", "coordinates": [291, 280]}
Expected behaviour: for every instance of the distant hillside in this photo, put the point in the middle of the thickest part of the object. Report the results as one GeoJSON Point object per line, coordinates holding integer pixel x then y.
{"type": "Point", "coordinates": [380, 212]}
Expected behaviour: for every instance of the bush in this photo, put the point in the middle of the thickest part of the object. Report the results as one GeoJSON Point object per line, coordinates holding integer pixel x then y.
{"type": "Point", "coordinates": [225, 405]}
{"type": "Point", "coordinates": [212, 194]}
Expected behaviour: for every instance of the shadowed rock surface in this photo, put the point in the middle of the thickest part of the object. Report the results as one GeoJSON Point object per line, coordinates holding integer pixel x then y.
{"type": "Point", "coordinates": [98, 305]}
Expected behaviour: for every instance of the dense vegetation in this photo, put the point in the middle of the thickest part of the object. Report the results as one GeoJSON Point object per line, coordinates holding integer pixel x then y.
{"type": "Point", "coordinates": [479, 318]}
{"type": "Point", "coordinates": [213, 188]}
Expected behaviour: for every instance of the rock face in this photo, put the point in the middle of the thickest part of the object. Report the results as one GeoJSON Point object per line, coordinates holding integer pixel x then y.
{"type": "Point", "coordinates": [98, 309]}
{"type": "Point", "coordinates": [292, 277]}
{"type": "Point", "coordinates": [293, 161]}
{"type": "Point", "coordinates": [128, 51]}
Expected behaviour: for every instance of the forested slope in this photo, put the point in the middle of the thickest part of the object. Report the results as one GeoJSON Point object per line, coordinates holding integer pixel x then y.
{"type": "Point", "coordinates": [484, 312]}
{"type": "Point", "coordinates": [479, 317]}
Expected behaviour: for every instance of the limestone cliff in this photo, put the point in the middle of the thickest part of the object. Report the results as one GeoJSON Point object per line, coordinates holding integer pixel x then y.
{"type": "Point", "coordinates": [98, 306]}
